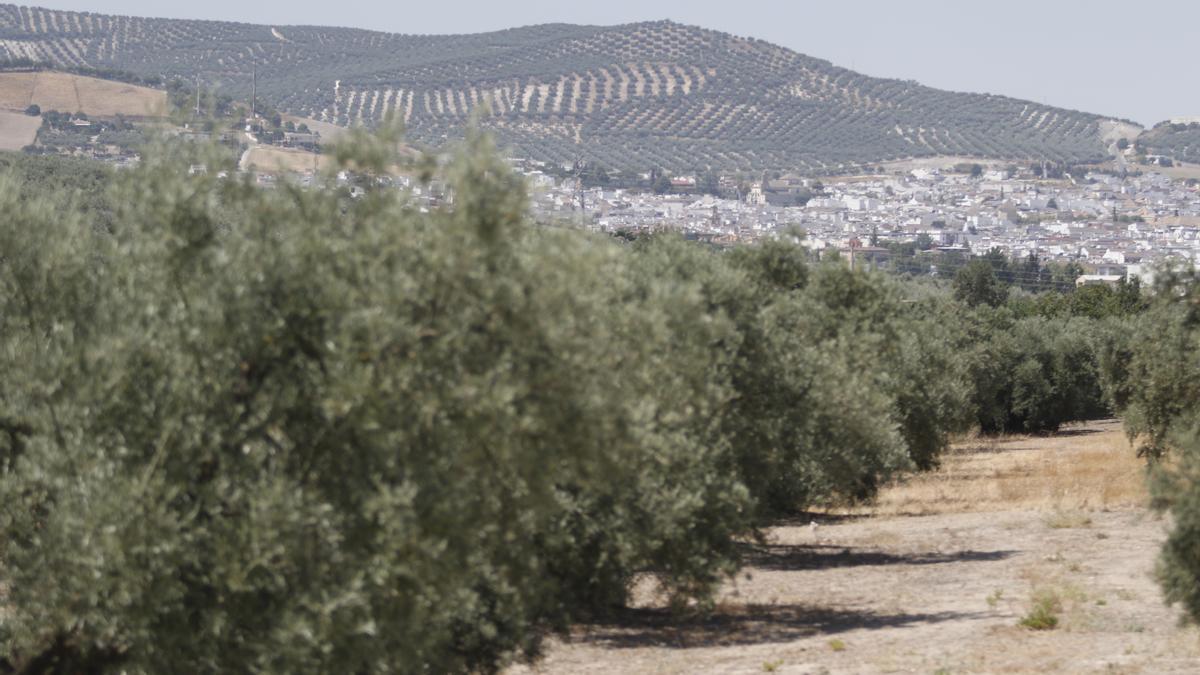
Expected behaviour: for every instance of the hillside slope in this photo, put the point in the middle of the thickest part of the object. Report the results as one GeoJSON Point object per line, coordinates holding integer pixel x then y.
{"type": "Point", "coordinates": [66, 92]}
{"type": "Point", "coordinates": [632, 96]}
{"type": "Point", "coordinates": [1179, 141]}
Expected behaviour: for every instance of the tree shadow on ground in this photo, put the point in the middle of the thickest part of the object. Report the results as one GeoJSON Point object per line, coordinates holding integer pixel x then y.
{"type": "Point", "coordinates": [803, 518]}
{"type": "Point", "coordinates": [784, 557]}
{"type": "Point", "coordinates": [992, 444]}
{"type": "Point", "coordinates": [989, 446]}
{"type": "Point", "coordinates": [1077, 431]}
{"type": "Point", "coordinates": [745, 625]}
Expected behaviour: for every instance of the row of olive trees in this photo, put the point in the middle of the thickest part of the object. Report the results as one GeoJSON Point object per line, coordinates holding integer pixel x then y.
{"type": "Point", "coordinates": [1033, 373]}
{"type": "Point", "coordinates": [1151, 373]}
{"type": "Point", "coordinates": [1037, 360]}
{"type": "Point", "coordinates": [293, 431]}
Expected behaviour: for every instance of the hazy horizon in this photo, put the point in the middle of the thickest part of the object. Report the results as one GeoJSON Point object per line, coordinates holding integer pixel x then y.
{"type": "Point", "coordinates": [1099, 57]}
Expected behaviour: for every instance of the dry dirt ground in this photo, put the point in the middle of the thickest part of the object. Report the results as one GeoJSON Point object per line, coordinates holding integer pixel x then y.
{"type": "Point", "coordinates": [935, 578]}
{"type": "Point", "coordinates": [1181, 170]}
{"type": "Point", "coordinates": [69, 93]}
{"type": "Point", "coordinates": [267, 158]}
{"type": "Point", "coordinates": [17, 130]}
{"type": "Point", "coordinates": [329, 132]}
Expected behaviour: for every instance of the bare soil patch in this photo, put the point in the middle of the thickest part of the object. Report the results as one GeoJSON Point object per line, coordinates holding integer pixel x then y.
{"type": "Point", "coordinates": [1113, 130]}
{"type": "Point", "coordinates": [69, 93]}
{"type": "Point", "coordinates": [266, 158]}
{"type": "Point", "coordinates": [17, 130]}
{"type": "Point", "coordinates": [944, 162]}
{"type": "Point", "coordinates": [1181, 170]}
{"type": "Point", "coordinates": [330, 133]}
{"type": "Point", "coordinates": [935, 578]}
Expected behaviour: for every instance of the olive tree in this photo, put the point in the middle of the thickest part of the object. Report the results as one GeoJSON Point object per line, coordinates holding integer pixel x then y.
{"type": "Point", "coordinates": [293, 431]}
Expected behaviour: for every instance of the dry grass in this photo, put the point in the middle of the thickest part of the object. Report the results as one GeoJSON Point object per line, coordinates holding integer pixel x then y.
{"type": "Point", "coordinates": [16, 90]}
{"type": "Point", "coordinates": [74, 93]}
{"type": "Point", "coordinates": [108, 99]}
{"type": "Point", "coordinates": [17, 130]}
{"type": "Point", "coordinates": [266, 158]}
{"type": "Point", "coordinates": [1021, 555]}
{"type": "Point", "coordinates": [329, 132]}
{"type": "Point", "coordinates": [1063, 519]}
{"type": "Point", "coordinates": [1181, 170]}
{"type": "Point", "coordinates": [1085, 467]}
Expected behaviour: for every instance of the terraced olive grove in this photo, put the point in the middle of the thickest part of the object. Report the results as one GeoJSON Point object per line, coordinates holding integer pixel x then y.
{"type": "Point", "coordinates": [633, 96]}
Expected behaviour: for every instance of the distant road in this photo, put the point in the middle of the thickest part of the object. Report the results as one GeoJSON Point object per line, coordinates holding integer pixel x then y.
{"type": "Point", "coordinates": [1118, 157]}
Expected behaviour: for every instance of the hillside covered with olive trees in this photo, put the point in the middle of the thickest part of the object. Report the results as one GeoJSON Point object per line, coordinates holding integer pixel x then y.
{"type": "Point", "coordinates": [1178, 141]}
{"type": "Point", "coordinates": [631, 96]}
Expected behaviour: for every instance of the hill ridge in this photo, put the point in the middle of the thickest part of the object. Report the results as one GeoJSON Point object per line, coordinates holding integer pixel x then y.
{"type": "Point", "coordinates": [635, 96]}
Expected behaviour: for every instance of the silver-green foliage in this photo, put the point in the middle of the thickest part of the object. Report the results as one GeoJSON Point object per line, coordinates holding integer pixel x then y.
{"type": "Point", "coordinates": [291, 431]}
{"type": "Point", "coordinates": [1151, 368]}
{"type": "Point", "coordinates": [837, 383]}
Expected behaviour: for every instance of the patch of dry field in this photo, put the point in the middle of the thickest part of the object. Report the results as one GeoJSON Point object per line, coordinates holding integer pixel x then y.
{"type": "Point", "coordinates": [17, 130]}
{"type": "Point", "coordinates": [1080, 468]}
{"type": "Point", "coordinates": [69, 93]}
{"type": "Point", "coordinates": [934, 579]}
{"type": "Point", "coordinates": [333, 133]}
{"type": "Point", "coordinates": [329, 132]}
{"type": "Point", "coordinates": [266, 158]}
{"type": "Point", "coordinates": [945, 162]}
{"type": "Point", "coordinates": [1181, 170]}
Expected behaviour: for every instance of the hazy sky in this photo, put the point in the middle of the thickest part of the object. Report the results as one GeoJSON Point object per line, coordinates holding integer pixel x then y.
{"type": "Point", "coordinates": [1136, 60]}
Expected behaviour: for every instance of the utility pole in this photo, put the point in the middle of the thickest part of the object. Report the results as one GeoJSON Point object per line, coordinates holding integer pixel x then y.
{"type": "Point", "coordinates": [579, 188]}
{"type": "Point", "coordinates": [197, 96]}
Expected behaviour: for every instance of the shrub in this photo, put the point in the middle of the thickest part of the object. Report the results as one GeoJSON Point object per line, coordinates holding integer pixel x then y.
{"type": "Point", "coordinates": [1176, 487]}
{"type": "Point", "coordinates": [1150, 369]}
{"type": "Point", "coordinates": [976, 284]}
{"type": "Point", "coordinates": [1150, 372]}
{"type": "Point", "coordinates": [1043, 612]}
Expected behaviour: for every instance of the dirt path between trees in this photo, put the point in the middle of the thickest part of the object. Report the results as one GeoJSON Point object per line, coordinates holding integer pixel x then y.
{"type": "Point", "coordinates": [935, 578]}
